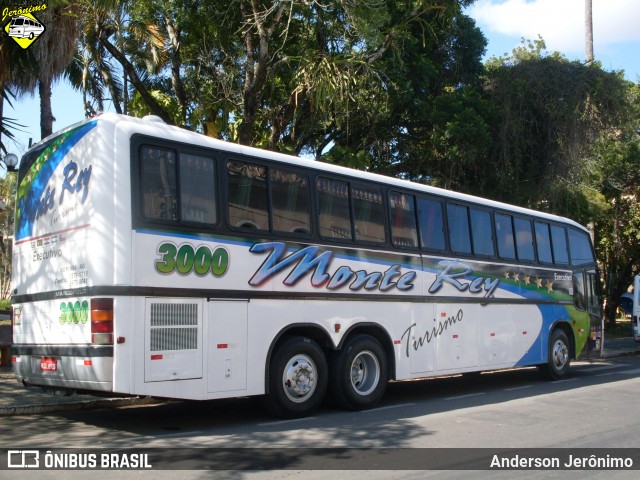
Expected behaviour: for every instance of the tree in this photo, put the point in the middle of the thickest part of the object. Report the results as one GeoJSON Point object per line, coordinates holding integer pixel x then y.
{"type": "Point", "coordinates": [7, 200]}
{"type": "Point", "coordinates": [550, 112]}
{"type": "Point", "coordinates": [52, 53]}
{"type": "Point", "coordinates": [618, 173]}
{"type": "Point", "coordinates": [588, 31]}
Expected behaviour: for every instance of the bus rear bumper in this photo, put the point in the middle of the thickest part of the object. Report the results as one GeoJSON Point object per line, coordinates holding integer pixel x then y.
{"type": "Point", "coordinates": [51, 368]}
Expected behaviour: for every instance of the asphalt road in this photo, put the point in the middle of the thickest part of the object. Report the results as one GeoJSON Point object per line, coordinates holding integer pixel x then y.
{"type": "Point", "coordinates": [597, 407]}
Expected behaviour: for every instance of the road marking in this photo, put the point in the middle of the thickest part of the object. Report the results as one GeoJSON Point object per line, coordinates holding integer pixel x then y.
{"type": "Point", "coordinates": [388, 407]}
{"type": "Point", "coordinates": [284, 422]}
{"type": "Point", "coordinates": [606, 374]}
{"type": "Point", "coordinates": [565, 380]}
{"type": "Point", "coordinates": [518, 388]}
{"type": "Point", "coordinates": [605, 367]}
{"type": "Point", "coordinates": [630, 372]}
{"type": "Point", "coordinates": [458, 397]}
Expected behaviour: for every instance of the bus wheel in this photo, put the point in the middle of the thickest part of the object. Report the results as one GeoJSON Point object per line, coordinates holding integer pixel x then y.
{"type": "Point", "coordinates": [559, 361]}
{"type": "Point", "coordinates": [297, 378]}
{"type": "Point", "coordinates": [359, 373]}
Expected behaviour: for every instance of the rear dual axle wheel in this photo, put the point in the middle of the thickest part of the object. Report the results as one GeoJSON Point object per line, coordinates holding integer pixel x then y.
{"type": "Point", "coordinates": [299, 376]}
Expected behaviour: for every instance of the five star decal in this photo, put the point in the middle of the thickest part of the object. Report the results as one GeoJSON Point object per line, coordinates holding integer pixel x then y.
{"type": "Point", "coordinates": [540, 283]}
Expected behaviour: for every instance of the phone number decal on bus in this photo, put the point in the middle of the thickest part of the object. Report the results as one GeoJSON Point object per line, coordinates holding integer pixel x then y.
{"type": "Point", "coordinates": [186, 259]}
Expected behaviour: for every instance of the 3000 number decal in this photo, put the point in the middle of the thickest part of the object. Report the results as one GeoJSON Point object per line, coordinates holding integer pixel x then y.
{"type": "Point", "coordinates": [185, 259]}
{"type": "Point", "coordinates": [74, 312]}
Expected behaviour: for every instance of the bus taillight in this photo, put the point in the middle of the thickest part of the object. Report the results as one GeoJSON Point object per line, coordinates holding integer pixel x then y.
{"type": "Point", "coordinates": [102, 321]}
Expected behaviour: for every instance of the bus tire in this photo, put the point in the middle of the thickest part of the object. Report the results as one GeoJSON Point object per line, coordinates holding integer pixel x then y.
{"type": "Point", "coordinates": [297, 378]}
{"type": "Point", "coordinates": [559, 359]}
{"type": "Point", "coordinates": [359, 373]}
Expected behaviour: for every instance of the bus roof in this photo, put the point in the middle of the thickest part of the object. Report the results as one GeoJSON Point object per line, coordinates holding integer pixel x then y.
{"type": "Point", "coordinates": [154, 126]}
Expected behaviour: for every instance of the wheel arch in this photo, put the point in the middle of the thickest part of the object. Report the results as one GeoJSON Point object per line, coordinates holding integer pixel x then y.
{"type": "Point", "coordinates": [566, 328]}
{"type": "Point", "coordinates": [311, 331]}
{"type": "Point", "coordinates": [378, 332]}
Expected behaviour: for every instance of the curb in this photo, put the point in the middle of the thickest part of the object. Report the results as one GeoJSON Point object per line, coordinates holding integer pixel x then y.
{"type": "Point", "coordinates": [82, 405]}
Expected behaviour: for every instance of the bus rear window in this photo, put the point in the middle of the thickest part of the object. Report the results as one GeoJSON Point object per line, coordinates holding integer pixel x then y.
{"type": "Point", "coordinates": [197, 189]}
{"type": "Point", "coordinates": [159, 183]}
{"type": "Point", "coordinates": [190, 201]}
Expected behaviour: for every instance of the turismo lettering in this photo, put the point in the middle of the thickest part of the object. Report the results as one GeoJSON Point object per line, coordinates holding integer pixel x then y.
{"type": "Point", "coordinates": [310, 260]}
{"type": "Point", "coordinates": [458, 274]}
{"type": "Point", "coordinates": [431, 334]}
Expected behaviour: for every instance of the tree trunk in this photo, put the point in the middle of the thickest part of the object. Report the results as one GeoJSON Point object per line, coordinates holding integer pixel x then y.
{"type": "Point", "coordinates": [588, 31]}
{"type": "Point", "coordinates": [46, 113]}
{"type": "Point", "coordinates": [130, 70]}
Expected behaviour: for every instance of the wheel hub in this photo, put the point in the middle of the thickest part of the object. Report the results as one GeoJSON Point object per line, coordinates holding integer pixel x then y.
{"type": "Point", "coordinates": [299, 378]}
{"type": "Point", "coordinates": [560, 354]}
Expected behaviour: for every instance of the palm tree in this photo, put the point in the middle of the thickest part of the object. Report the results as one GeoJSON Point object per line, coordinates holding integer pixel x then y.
{"type": "Point", "coordinates": [53, 51]}
{"type": "Point", "coordinates": [17, 76]}
{"type": "Point", "coordinates": [588, 30]}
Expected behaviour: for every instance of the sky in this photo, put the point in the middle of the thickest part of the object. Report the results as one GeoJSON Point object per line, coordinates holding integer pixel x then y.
{"type": "Point", "coordinates": [504, 23]}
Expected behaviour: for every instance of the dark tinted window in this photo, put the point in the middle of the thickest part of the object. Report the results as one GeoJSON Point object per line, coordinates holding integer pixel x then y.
{"type": "Point", "coordinates": [543, 241]}
{"type": "Point", "coordinates": [559, 242]}
{"type": "Point", "coordinates": [403, 220]}
{"type": "Point", "coordinates": [431, 224]}
{"type": "Point", "coordinates": [504, 233]}
{"type": "Point", "coordinates": [290, 201]}
{"type": "Point", "coordinates": [197, 189]}
{"type": "Point", "coordinates": [458, 221]}
{"type": "Point", "coordinates": [481, 232]}
{"type": "Point", "coordinates": [159, 183]}
{"type": "Point", "coordinates": [333, 200]}
{"type": "Point", "coordinates": [368, 214]}
{"type": "Point", "coordinates": [247, 202]}
{"type": "Point", "coordinates": [524, 239]}
{"type": "Point", "coordinates": [580, 248]}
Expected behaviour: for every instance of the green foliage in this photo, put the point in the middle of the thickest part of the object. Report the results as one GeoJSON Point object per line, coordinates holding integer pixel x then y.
{"type": "Point", "coordinates": [550, 113]}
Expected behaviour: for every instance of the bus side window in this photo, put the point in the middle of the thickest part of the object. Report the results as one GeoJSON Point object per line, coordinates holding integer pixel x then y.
{"type": "Point", "coordinates": [580, 248]}
{"type": "Point", "coordinates": [290, 202]}
{"type": "Point", "coordinates": [504, 232]}
{"type": "Point", "coordinates": [247, 202]}
{"type": "Point", "coordinates": [459, 236]}
{"type": "Point", "coordinates": [559, 243]}
{"type": "Point", "coordinates": [368, 214]}
{"type": "Point", "coordinates": [543, 241]}
{"type": "Point", "coordinates": [481, 232]}
{"type": "Point", "coordinates": [197, 189]}
{"type": "Point", "coordinates": [404, 232]}
{"type": "Point", "coordinates": [524, 239]}
{"type": "Point", "coordinates": [333, 201]}
{"type": "Point", "coordinates": [159, 186]}
{"type": "Point", "coordinates": [431, 224]}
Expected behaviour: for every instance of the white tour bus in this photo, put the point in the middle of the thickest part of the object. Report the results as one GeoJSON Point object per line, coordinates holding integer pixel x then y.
{"type": "Point", "coordinates": [151, 260]}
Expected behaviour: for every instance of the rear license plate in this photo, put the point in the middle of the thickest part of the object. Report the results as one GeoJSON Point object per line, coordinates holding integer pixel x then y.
{"type": "Point", "coordinates": [48, 364]}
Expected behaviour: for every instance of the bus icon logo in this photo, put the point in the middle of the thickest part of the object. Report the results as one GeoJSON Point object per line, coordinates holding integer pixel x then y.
{"type": "Point", "coordinates": [24, 29]}
{"type": "Point", "coordinates": [23, 459]}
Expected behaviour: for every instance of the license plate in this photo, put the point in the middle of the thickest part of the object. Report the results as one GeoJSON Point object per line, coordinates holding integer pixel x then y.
{"type": "Point", "coordinates": [48, 364]}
